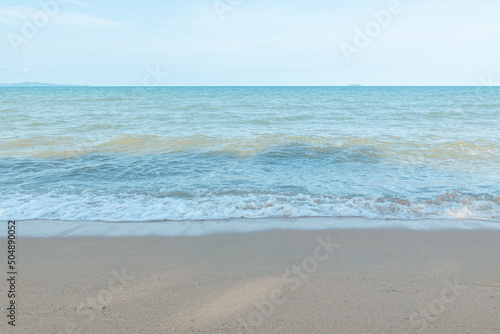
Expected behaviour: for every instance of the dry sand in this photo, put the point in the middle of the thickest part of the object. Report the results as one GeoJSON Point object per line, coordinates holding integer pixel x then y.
{"type": "Point", "coordinates": [370, 281]}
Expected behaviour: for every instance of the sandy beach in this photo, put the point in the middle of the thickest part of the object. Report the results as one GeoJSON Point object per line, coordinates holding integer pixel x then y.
{"type": "Point", "coordinates": [279, 281]}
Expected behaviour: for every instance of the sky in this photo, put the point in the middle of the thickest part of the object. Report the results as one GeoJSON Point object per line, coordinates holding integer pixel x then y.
{"type": "Point", "coordinates": [250, 42]}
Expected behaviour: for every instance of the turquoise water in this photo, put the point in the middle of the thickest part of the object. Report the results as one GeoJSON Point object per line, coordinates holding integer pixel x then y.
{"type": "Point", "coordinates": [177, 153]}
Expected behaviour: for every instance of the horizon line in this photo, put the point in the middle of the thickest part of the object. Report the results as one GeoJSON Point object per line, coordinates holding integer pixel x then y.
{"type": "Point", "coordinates": [50, 85]}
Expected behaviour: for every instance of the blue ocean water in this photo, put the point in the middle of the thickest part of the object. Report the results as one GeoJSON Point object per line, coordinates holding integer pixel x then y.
{"type": "Point", "coordinates": [179, 153]}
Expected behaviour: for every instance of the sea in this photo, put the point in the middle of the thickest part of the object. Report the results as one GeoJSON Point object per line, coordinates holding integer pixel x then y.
{"type": "Point", "coordinates": [195, 153]}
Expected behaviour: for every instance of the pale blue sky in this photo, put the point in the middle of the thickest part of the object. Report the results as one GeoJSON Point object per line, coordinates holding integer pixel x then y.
{"type": "Point", "coordinates": [298, 42]}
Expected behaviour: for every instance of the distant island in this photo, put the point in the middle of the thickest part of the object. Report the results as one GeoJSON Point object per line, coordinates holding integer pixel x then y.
{"type": "Point", "coordinates": [354, 85]}
{"type": "Point", "coordinates": [35, 84]}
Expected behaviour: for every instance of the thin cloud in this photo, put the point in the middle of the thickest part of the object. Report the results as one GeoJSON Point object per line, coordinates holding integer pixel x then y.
{"type": "Point", "coordinates": [17, 16]}
{"type": "Point", "coordinates": [18, 71]}
{"type": "Point", "coordinates": [84, 20]}
{"type": "Point", "coordinates": [14, 15]}
{"type": "Point", "coordinates": [83, 4]}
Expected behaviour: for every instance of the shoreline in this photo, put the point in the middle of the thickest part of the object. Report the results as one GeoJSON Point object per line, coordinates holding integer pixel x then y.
{"type": "Point", "coordinates": [277, 281]}
{"type": "Point", "coordinates": [62, 228]}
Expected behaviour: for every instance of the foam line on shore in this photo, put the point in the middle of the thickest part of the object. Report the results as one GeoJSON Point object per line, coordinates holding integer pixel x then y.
{"type": "Point", "coordinates": [59, 228]}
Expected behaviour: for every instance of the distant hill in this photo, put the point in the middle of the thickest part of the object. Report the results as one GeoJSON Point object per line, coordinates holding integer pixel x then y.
{"type": "Point", "coordinates": [35, 84]}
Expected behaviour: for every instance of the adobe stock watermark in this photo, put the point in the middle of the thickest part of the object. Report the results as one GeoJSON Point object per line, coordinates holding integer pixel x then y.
{"type": "Point", "coordinates": [488, 81]}
{"type": "Point", "coordinates": [32, 26]}
{"type": "Point", "coordinates": [372, 29]}
{"type": "Point", "coordinates": [154, 77]}
{"type": "Point", "coordinates": [426, 315]}
{"type": "Point", "coordinates": [104, 297]}
{"type": "Point", "coordinates": [223, 6]}
{"type": "Point", "coordinates": [292, 280]}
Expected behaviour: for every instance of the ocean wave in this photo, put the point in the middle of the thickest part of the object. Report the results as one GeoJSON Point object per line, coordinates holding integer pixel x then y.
{"type": "Point", "coordinates": [133, 207]}
{"type": "Point", "coordinates": [67, 146]}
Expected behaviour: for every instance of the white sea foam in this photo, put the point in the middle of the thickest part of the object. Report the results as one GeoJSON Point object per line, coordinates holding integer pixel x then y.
{"type": "Point", "coordinates": [449, 206]}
